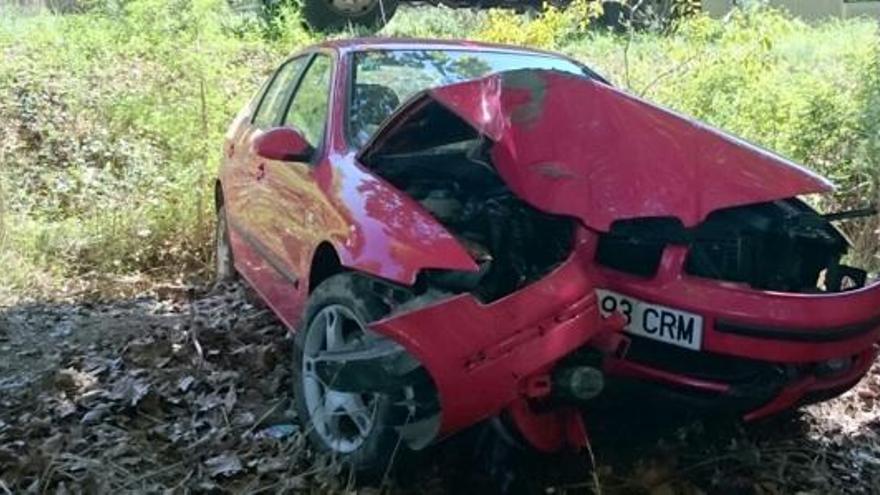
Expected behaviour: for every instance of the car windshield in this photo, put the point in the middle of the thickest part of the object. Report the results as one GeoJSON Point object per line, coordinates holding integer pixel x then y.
{"type": "Point", "coordinates": [383, 79]}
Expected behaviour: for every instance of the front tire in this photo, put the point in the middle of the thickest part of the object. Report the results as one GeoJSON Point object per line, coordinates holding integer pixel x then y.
{"type": "Point", "coordinates": [357, 428]}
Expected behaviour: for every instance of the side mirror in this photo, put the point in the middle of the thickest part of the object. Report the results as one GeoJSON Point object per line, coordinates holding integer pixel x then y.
{"type": "Point", "coordinates": [283, 143]}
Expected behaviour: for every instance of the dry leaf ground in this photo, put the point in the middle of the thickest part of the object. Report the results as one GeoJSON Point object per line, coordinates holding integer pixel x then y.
{"type": "Point", "coordinates": [185, 392]}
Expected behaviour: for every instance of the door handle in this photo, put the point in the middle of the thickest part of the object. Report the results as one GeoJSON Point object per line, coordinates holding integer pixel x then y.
{"type": "Point", "coordinates": [261, 171]}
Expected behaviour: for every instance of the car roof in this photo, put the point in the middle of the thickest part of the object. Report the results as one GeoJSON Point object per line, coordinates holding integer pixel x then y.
{"type": "Point", "coordinates": [346, 45]}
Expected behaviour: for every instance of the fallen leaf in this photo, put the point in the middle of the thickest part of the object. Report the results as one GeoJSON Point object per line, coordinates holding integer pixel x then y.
{"type": "Point", "coordinates": [225, 465]}
{"type": "Point", "coordinates": [185, 383]}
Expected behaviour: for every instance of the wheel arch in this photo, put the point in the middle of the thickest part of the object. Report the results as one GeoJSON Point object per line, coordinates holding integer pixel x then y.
{"type": "Point", "coordinates": [325, 263]}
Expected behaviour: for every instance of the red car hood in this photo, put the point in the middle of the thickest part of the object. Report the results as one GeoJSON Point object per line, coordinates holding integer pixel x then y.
{"type": "Point", "coordinates": [575, 146]}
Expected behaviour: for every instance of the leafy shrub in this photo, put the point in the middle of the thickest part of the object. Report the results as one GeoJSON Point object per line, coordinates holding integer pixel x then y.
{"type": "Point", "coordinates": [551, 28]}
{"type": "Point", "coordinates": [112, 122]}
{"type": "Point", "coordinates": [438, 22]}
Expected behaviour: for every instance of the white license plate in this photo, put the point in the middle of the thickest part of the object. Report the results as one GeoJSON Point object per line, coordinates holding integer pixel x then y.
{"type": "Point", "coordinates": [654, 321]}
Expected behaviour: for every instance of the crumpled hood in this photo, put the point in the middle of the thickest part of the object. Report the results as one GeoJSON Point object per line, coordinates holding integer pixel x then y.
{"type": "Point", "coordinates": [575, 146]}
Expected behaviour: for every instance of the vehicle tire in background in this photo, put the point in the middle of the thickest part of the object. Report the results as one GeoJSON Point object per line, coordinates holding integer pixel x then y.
{"type": "Point", "coordinates": [335, 15]}
{"type": "Point", "coordinates": [357, 428]}
{"type": "Point", "coordinates": [224, 266]}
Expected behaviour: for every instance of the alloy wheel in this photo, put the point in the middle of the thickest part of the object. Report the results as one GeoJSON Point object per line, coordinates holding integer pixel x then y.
{"type": "Point", "coordinates": [342, 420]}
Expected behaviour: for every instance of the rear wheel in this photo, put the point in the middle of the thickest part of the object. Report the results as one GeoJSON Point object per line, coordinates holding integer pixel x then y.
{"type": "Point", "coordinates": [335, 15]}
{"type": "Point", "coordinates": [224, 266]}
{"type": "Point", "coordinates": [358, 428]}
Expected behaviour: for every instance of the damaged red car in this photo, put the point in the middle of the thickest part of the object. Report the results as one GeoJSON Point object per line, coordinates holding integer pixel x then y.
{"type": "Point", "coordinates": [457, 232]}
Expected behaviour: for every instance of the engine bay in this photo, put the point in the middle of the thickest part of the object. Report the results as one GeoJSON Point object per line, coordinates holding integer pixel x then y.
{"type": "Point", "coordinates": [513, 243]}
{"type": "Point", "coordinates": [444, 164]}
{"type": "Point", "coordinates": [782, 245]}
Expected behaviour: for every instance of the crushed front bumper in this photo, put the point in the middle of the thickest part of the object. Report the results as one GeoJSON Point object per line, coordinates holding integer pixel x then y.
{"type": "Point", "coordinates": [784, 349]}
{"type": "Point", "coordinates": [488, 358]}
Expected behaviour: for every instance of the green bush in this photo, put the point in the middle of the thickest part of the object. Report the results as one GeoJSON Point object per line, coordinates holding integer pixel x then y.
{"type": "Point", "coordinates": [112, 123]}
{"type": "Point", "coordinates": [111, 119]}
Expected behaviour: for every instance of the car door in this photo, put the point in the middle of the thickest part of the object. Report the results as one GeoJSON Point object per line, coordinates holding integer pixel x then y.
{"type": "Point", "coordinates": [247, 196]}
{"type": "Point", "coordinates": [294, 201]}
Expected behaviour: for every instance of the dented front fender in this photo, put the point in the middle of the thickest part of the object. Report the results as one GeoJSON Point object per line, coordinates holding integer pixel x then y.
{"type": "Point", "coordinates": [481, 356]}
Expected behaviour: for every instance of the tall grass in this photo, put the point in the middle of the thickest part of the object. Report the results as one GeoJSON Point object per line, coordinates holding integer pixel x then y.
{"type": "Point", "coordinates": [111, 120]}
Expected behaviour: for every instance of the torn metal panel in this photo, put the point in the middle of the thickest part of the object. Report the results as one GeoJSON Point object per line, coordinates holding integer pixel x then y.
{"type": "Point", "coordinates": [480, 356]}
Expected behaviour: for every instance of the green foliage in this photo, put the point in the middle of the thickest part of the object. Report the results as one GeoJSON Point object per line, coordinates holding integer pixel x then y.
{"type": "Point", "coordinates": [111, 119]}
{"type": "Point", "coordinates": [112, 122]}
{"type": "Point", "coordinates": [438, 22]}
{"type": "Point", "coordinates": [551, 28]}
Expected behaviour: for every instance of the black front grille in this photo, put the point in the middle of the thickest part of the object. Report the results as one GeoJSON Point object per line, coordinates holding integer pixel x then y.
{"type": "Point", "coordinates": [629, 255]}
{"type": "Point", "coordinates": [636, 245]}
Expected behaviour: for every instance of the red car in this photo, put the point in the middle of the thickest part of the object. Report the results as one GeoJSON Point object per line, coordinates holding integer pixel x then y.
{"type": "Point", "coordinates": [459, 231]}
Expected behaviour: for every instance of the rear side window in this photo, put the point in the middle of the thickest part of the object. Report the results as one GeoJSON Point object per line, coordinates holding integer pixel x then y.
{"type": "Point", "coordinates": [308, 112]}
{"type": "Point", "coordinates": [275, 98]}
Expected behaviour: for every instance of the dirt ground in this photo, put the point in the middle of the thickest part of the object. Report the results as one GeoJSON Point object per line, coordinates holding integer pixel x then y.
{"type": "Point", "coordinates": [186, 391]}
